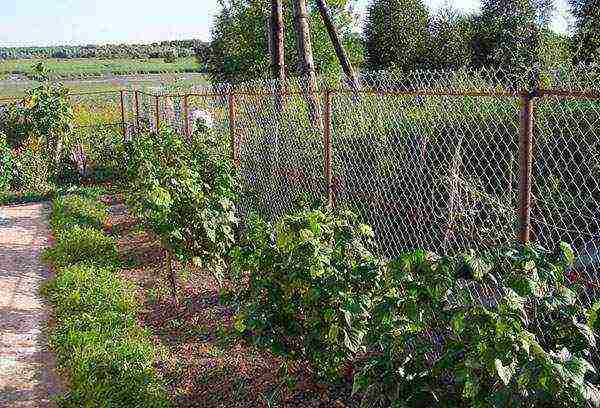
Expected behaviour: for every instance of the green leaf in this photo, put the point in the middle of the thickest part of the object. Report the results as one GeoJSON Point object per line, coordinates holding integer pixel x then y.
{"type": "Point", "coordinates": [240, 323]}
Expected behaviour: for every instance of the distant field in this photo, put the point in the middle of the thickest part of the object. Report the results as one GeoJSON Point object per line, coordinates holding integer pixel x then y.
{"type": "Point", "coordinates": [73, 68]}
{"type": "Point", "coordinates": [15, 88]}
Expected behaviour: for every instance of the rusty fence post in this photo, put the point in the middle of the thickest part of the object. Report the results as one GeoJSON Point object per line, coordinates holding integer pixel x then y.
{"type": "Point", "coordinates": [136, 98]}
{"type": "Point", "coordinates": [123, 124]}
{"type": "Point", "coordinates": [186, 116]}
{"type": "Point", "coordinates": [328, 150]}
{"type": "Point", "coordinates": [233, 137]}
{"type": "Point", "coordinates": [157, 111]}
{"type": "Point", "coordinates": [525, 166]}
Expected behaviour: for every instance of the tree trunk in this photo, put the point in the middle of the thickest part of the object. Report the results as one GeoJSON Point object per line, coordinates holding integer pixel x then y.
{"type": "Point", "coordinates": [337, 45]}
{"type": "Point", "coordinates": [171, 275]}
{"type": "Point", "coordinates": [305, 54]}
{"type": "Point", "coordinates": [277, 48]}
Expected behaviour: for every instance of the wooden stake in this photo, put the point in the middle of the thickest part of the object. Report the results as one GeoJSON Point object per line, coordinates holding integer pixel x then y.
{"type": "Point", "coordinates": [123, 124]}
{"type": "Point", "coordinates": [137, 111]}
{"type": "Point", "coordinates": [525, 164]}
{"type": "Point", "coordinates": [171, 275]}
{"type": "Point", "coordinates": [186, 115]}
{"type": "Point", "coordinates": [337, 45]}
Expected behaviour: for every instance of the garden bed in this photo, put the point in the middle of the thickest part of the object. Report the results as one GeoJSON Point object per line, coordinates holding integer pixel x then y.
{"type": "Point", "coordinates": [203, 361]}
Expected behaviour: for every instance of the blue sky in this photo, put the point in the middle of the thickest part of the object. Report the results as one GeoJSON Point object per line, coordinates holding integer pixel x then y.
{"type": "Point", "coordinates": [51, 22]}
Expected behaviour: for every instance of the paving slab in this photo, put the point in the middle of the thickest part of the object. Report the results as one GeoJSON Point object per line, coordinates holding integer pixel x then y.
{"type": "Point", "coordinates": [27, 374]}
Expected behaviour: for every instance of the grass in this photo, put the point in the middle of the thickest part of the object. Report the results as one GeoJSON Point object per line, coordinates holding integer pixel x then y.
{"type": "Point", "coordinates": [68, 68]}
{"type": "Point", "coordinates": [97, 75]}
{"type": "Point", "coordinates": [108, 357]}
{"type": "Point", "coordinates": [23, 197]}
{"type": "Point", "coordinates": [15, 89]}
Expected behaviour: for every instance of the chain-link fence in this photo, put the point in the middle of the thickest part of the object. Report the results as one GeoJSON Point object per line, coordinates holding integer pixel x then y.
{"type": "Point", "coordinates": [436, 160]}
{"type": "Point", "coordinates": [444, 161]}
{"type": "Point", "coordinates": [439, 160]}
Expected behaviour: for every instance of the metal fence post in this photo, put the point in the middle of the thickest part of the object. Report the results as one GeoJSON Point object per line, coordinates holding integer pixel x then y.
{"type": "Point", "coordinates": [234, 141]}
{"type": "Point", "coordinates": [137, 110]}
{"type": "Point", "coordinates": [123, 124]}
{"type": "Point", "coordinates": [186, 115]}
{"type": "Point", "coordinates": [157, 107]}
{"type": "Point", "coordinates": [328, 150]}
{"type": "Point", "coordinates": [525, 166]}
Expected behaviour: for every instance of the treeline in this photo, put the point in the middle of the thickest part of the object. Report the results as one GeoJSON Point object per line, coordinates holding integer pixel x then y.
{"type": "Point", "coordinates": [406, 35]}
{"type": "Point", "coordinates": [168, 50]}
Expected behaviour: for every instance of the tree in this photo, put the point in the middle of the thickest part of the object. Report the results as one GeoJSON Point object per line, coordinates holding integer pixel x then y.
{"type": "Point", "coordinates": [396, 34]}
{"type": "Point", "coordinates": [451, 34]}
{"type": "Point", "coordinates": [240, 47]}
{"type": "Point", "coordinates": [587, 30]}
{"type": "Point", "coordinates": [512, 33]}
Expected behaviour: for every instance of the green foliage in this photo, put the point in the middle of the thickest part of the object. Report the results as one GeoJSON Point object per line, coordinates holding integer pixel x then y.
{"type": "Point", "coordinates": [396, 34]}
{"type": "Point", "coordinates": [109, 358]}
{"type": "Point", "coordinates": [6, 164]}
{"type": "Point", "coordinates": [512, 33]}
{"type": "Point", "coordinates": [586, 43]}
{"type": "Point", "coordinates": [82, 245]}
{"type": "Point", "coordinates": [31, 171]}
{"type": "Point", "coordinates": [170, 56]}
{"type": "Point", "coordinates": [38, 124]}
{"type": "Point", "coordinates": [451, 34]}
{"type": "Point", "coordinates": [239, 50]}
{"type": "Point", "coordinates": [520, 340]}
{"type": "Point", "coordinates": [44, 113]}
{"type": "Point", "coordinates": [75, 210]}
{"type": "Point", "coordinates": [311, 283]}
{"type": "Point", "coordinates": [185, 192]}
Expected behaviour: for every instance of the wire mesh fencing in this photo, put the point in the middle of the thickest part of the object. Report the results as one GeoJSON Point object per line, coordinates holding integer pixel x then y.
{"type": "Point", "coordinates": [430, 160]}
{"type": "Point", "coordinates": [447, 162]}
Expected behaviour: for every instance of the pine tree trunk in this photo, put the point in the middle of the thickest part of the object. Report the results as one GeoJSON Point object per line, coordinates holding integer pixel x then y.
{"type": "Point", "coordinates": [277, 48]}
{"type": "Point", "coordinates": [305, 54]}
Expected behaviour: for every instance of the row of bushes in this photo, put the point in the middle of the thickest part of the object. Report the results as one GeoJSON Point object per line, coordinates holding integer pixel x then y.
{"type": "Point", "coordinates": [108, 357]}
{"type": "Point", "coordinates": [501, 328]}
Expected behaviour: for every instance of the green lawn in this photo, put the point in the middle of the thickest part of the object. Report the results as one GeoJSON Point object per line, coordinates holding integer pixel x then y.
{"type": "Point", "coordinates": [99, 67]}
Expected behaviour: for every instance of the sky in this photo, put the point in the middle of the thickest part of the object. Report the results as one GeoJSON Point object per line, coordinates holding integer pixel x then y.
{"type": "Point", "coordinates": [77, 22]}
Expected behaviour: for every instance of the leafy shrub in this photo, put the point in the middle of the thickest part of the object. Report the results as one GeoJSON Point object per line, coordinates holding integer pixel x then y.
{"type": "Point", "coordinates": [185, 192]}
{"type": "Point", "coordinates": [44, 113]}
{"type": "Point", "coordinates": [108, 356]}
{"type": "Point", "coordinates": [31, 167]}
{"type": "Point", "coordinates": [83, 245]}
{"type": "Point", "coordinates": [311, 284]}
{"type": "Point", "coordinates": [6, 164]}
{"type": "Point", "coordinates": [74, 210]}
{"type": "Point", "coordinates": [503, 329]}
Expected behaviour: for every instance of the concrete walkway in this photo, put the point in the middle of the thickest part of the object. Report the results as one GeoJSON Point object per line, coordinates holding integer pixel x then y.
{"type": "Point", "coordinates": [26, 368]}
